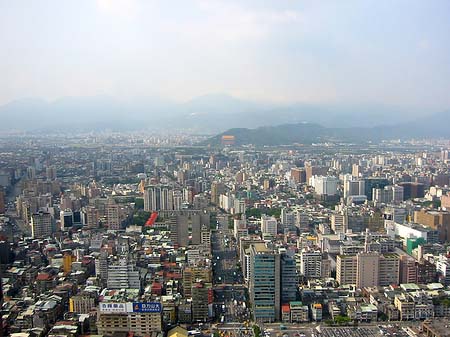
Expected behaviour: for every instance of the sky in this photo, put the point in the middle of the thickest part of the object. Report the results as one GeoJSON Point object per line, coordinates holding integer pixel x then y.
{"type": "Point", "coordinates": [393, 53]}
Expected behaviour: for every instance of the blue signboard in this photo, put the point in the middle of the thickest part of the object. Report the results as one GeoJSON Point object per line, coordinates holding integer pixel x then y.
{"type": "Point", "coordinates": [147, 307]}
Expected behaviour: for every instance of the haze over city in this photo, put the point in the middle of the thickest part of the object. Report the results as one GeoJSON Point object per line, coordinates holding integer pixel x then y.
{"type": "Point", "coordinates": [392, 55]}
{"type": "Point", "coordinates": [235, 168]}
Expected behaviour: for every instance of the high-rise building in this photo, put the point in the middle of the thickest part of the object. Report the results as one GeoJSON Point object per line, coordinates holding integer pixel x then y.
{"type": "Point", "coordinates": [92, 216]}
{"type": "Point", "coordinates": [289, 278]}
{"type": "Point", "coordinates": [264, 283]}
{"type": "Point", "coordinates": [374, 182]}
{"type": "Point", "coordinates": [217, 188]}
{"type": "Point", "coordinates": [179, 229]}
{"type": "Point", "coordinates": [158, 198]}
{"type": "Point", "coordinates": [2, 200]}
{"type": "Point", "coordinates": [346, 269]}
{"type": "Point", "coordinates": [311, 263]}
{"type": "Point", "coordinates": [201, 298]}
{"type": "Point", "coordinates": [66, 218]}
{"type": "Point", "coordinates": [324, 185]}
{"type": "Point", "coordinates": [42, 225]}
{"type": "Point", "coordinates": [288, 219]}
{"type": "Point", "coordinates": [112, 211]}
{"type": "Point", "coordinates": [439, 221]}
{"type": "Point", "coordinates": [367, 269]}
{"type": "Point", "coordinates": [269, 225]}
{"type": "Point", "coordinates": [50, 173]}
{"type": "Point", "coordinates": [311, 171]}
{"type": "Point", "coordinates": [412, 190]}
{"type": "Point", "coordinates": [353, 187]}
{"type": "Point", "coordinates": [389, 270]}
{"type": "Point", "coordinates": [298, 175]}
{"type": "Point", "coordinates": [388, 194]}
{"type": "Point", "coordinates": [408, 270]}
{"type": "Point", "coordinates": [123, 274]}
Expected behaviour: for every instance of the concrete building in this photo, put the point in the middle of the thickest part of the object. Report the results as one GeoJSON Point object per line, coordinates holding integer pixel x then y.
{"type": "Point", "coordinates": [201, 297]}
{"type": "Point", "coordinates": [439, 221]}
{"type": "Point", "coordinates": [41, 225]}
{"type": "Point", "coordinates": [217, 189]}
{"type": "Point", "coordinates": [324, 185]}
{"type": "Point", "coordinates": [158, 198]}
{"type": "Point", "coordinates": [269, 225]}
{"type": "Point", "coordinates": [367, 269]}
{"type": "Point", "coordinates": [123, 274]}
{"type": "Point", "coordinates": [311, 263]}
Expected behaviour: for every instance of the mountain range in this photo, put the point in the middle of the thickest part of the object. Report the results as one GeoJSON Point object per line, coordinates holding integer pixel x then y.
{"type": "Point", "coordinates": [209, 114]}
{"type": "Point", "coordinates": [435, 126]}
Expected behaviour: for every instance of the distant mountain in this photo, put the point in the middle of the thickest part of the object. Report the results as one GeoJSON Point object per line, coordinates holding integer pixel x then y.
{"type": "Point", "coordinates": [435, 126]}
{"type": "Point", "coordinates": [206, 114]}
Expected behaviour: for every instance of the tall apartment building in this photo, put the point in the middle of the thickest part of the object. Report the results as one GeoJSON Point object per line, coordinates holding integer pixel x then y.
{"type": "Point", "coordinates": [92, 216]}
{"type": "Point", "coordinates": [311, 171]}
{"type": "Point", "coordinates": [353, 187]}
{"type": "Point", "coordinates": [287, 219]}
{"type": "Point", "coordinates": [367, 269]}
{"type": "Point", "coordinates": [158, 198]}
{"type": "Point", "coordinates": [408, 270]}
{"type": "Point", "coordinates": [201, 298]}
{"type": "Point", "coordinates": [123, 274]}
{"type": "Point", "coordinates": [311, 263]}
{"type": "Point", "coordinates": [41, 225]}
{"type": "Point", "coordinates": [112, 212]}
{"type": "Point", "coordinates": [339, 222]}
{"type": "Point", "coordinates": [388, 194]}
{"type": "Point", "coordinates": [179, 229]}
{"type": "Point", "coordinates": [298, 175]}
{"type": "Point", "coordinates": [264, 283]}
{"type": "Point", "coordinates": [217, 188]}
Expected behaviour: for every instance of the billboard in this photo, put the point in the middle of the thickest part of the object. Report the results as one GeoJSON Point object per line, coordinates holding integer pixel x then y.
{"type": "Point", "coordinates": [147, 307]}
{"type": "Point", "coordinates": [111, 307]}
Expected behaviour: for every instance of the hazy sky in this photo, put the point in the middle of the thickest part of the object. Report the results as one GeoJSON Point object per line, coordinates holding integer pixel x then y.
{"type": "Point", "coordinates": [381, 51]}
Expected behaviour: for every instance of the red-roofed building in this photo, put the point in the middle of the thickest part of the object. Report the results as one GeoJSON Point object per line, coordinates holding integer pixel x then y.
{"type": "Point", "coordinates": [285, 312]}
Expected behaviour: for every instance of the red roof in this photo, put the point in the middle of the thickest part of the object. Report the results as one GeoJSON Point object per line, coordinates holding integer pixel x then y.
{"type": "Point", "coordinates": [43, 277]}
{"type": "Point", "coordinates": [152, 219]}
{"type": "Point", "coordinates": [285, 308]}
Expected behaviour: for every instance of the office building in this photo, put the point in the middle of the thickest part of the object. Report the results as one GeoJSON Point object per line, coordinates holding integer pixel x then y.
{"type": "Point", "coordinates": [324, 185]}
{"type": "Point", "coordinates": [412, 190]}
{"type": "Point", "coordinates": [264, 283]}
{"type": "Point", "coordinates": [289, 278]}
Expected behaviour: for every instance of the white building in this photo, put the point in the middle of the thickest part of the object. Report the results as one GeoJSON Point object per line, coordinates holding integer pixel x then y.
{"type": "Point", "coordinates": [324, 185]}
{"type": "Point", "coordinates": [269, 225]}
